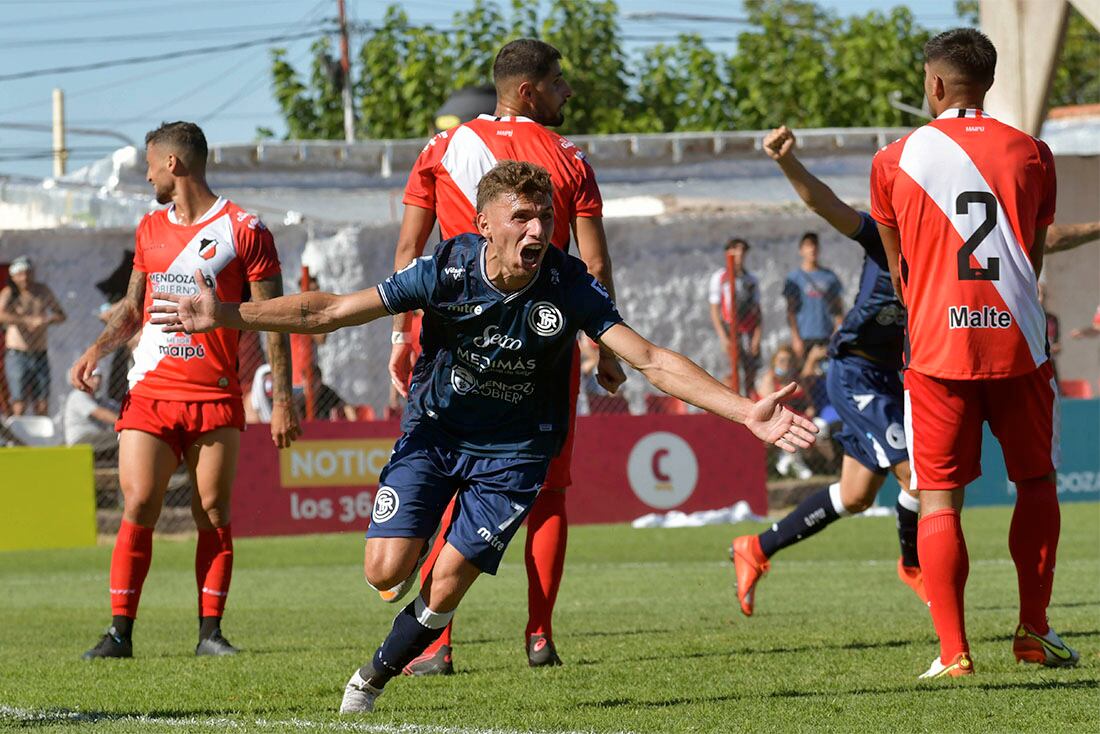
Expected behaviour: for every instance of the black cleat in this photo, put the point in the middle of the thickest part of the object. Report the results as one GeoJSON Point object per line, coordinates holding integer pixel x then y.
{"type": "Point", "coordinates": [438, 663]}
{"type": "Point", "coordinates": [215, 644]}
{"type": "Point", "coordinates": [541, 652]}
{"type": "Point", "coordinates": [111, 645]}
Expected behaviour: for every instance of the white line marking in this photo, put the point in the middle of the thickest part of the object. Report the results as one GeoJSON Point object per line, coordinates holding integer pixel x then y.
{"type": "Point", "coordinates": [68, 716]}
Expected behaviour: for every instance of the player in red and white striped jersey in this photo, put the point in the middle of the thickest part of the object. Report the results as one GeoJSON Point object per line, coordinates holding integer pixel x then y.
{"type": "Point", "coordinates": [184, 402]}
{"type": "Point", "coordinates": [963, 205]}
{"type": "Point", "coordinates": [531, 95]}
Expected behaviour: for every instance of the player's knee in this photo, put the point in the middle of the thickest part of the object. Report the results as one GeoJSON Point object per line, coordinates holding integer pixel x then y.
{"type": "Point", "coordinates": [383, 571]}
{"type": "Point", "coordinates": [856, 505]}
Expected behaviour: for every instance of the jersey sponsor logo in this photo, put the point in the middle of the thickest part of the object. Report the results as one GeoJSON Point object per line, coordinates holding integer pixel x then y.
{"type": "Point", "coordinates": [176, 283]}
{"type": "Point", "coordinates": [596, 286]}
{"type": "Point", "coordinates": [862, 401]}
{"type": "Point", "coordinates": [989, 317]}
{"type": "Point", "coordinates": [545, 319]}
{"type": "Point", "coordinates": [385, 505]}
{"type": "Point", "coordinates": [253, 221]}
{"type": "Point", "coordinates": [182, 347]}
{"type": "Point", "coordinates": [504, 133]}
{"type": "Point", "coordinates": [662, 470]}
{"type": "Point", "coordinates": [453, 272]}
{"type": "Point", "coordinates": [492, 337]}
{"type": "Point", "coordinates": [975, 128]}
{"type": "Point", "coordinates": [505, 366]}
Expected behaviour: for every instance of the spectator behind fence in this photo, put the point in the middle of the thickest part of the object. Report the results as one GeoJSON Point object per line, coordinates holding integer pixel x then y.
{"type": "Point", "coordinates": [327, 404]}
{"type": "Point", "coordinates": [814, 308]}
{"type": "Point", "coordinates": [28, 308]}
{"type": "Point", "coordinates": [782, 369]}
{"type": "Point", "coordinates": [750, 325]}
{"type": "Point", "coordinates": [90, 419]}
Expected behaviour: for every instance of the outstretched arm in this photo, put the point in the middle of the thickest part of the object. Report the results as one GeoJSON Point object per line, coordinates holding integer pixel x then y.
{"type": "Point", "coordinates": [416, 227]}
{"type": "Point", "coordinates": [676, 375]}
{"type": "Point", "coordinates": [779, 145]}
{"type": "Point", "coordinates": [1068, 236]}
{"type": "Point", "coordinates": [312, 312]}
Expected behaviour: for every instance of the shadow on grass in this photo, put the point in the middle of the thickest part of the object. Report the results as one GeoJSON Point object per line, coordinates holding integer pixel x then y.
{"type": "Point", "coordinates": [916, 689]}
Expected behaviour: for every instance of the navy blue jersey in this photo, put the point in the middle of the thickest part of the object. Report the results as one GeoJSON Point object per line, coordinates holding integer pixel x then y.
{"type": "Point", "coordinates": [876, 323]}
{"type": "Point", "coordinates": [493, 377]}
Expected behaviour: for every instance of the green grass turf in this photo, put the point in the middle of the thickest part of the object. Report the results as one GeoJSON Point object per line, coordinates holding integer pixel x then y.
{"type": "Point", "coordinates": [647, 624]}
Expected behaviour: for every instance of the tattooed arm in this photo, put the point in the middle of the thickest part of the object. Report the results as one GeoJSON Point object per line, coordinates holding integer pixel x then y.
{"type": "Point", "coordinates": [284, 421]}
{"type": "Point", "coordinates": [125, 321]}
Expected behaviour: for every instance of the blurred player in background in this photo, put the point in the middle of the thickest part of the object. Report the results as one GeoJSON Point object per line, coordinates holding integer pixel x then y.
{"type": "Point", "coordinates": [475, 428]}
{"type": "Point", "coordinates": [531, 94]}
{"type": "Point", "coordinates": [750, 321]}
{"type": "Point", "coordinates": [963, 205]}
{"type": "Point", "coordinates": [864, 385]}
{"type": "Point", "coordinates": [185, 398]}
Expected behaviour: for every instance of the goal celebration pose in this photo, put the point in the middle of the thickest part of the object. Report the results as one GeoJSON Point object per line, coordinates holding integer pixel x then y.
{"type": "Point", "coordinates": [489, 400]}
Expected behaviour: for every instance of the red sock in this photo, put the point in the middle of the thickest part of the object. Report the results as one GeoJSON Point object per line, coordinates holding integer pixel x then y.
{"type": "Point", "coordinates": [1033, 542]}
{"type": "Point", "coordinates": [129, 567]}
{"type": "Point", "coordinates": [945, 566]}
{"type": "Point", "coordinates": [429, 563]}
{"type": "Point", "coordinates": [547, 532]}
{"type": "Point", "coordinates": [213, 569]}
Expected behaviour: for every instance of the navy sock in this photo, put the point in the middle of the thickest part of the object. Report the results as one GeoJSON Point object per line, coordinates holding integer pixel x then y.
{"type": "Point", "coordinates": [814, 513]}
{"type": "Point", "coordinates": [408, 638]}
{"type": "Point", "coordinates": [907, 535]}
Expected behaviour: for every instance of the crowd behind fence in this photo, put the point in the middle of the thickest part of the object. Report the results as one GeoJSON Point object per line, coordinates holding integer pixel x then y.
{"type": "Point", "coordinates": [763, 354]}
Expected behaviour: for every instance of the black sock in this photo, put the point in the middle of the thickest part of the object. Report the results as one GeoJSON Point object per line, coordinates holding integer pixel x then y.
{"type": "Point", "coordinates": [124, 626]}
{"type": "Point", "coordinates": [407, 639]}
{"type": "Point", "coordinates": [814, 513]}
{"type": "Point", "coordinates": [208, 626]}
{"type": "Point", "coordinates": [907, 536]}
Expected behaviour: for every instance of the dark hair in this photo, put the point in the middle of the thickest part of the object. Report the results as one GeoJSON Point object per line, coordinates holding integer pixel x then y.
{"type": "Point", "coordinates": [528, 58]}
{"type": "Point", "coordinates": [514, 177]}
{"type": "Point", "coordinates": [185, 138]}
{"type": "Point", "coordinates": [734, 242]}
{"type": "Point", "coordinates": [811, 236]}
{"type": "Point", "coordinates": [966, 50]}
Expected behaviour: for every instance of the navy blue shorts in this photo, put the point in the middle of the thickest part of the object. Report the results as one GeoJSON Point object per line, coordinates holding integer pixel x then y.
{"type": "Point", "coordinates": [494, 495]}
{"type": "Point", "coordinates": [870, 403]}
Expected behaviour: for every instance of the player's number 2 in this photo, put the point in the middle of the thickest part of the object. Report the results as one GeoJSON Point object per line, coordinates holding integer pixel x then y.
{"type": "Point", "coordinates": [992, 269]}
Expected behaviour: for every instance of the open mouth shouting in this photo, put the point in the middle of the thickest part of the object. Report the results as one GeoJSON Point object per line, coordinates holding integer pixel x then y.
{"type": "Point", "coordinates": [531, 255]}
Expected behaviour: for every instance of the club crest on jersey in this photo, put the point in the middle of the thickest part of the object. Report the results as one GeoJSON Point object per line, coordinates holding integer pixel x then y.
{"type": "Point", "coordinates": [545, 319]}
{"type": "Point", "coordinates": [208, 248]}
{"type": "Point", "coordinates": [989, 317]}
{"type": "Point", "coordinates": [462, 380]}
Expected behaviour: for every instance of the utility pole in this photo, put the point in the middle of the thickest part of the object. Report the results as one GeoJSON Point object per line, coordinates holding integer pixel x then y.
{"type": "Point", "coordinates": [60, 153]}
{"type": "Point", "coordinates": [345, 65]}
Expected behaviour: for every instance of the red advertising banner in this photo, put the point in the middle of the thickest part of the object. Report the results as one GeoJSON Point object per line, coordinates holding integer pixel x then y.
{"type": "Point", "coordinates": [624, 466]}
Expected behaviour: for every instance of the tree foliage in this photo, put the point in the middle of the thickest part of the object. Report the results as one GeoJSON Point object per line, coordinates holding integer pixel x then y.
{"type": "Point", "coordinates": [796, 63]}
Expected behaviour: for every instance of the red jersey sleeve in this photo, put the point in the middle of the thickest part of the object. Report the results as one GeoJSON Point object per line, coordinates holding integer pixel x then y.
{"type": "Point", "coordinates": [420, 188]}
{"type": "Point", "coordinates": [139, 249]}
{"type": "Point", "coordinates": [1045, 215]}
{"type": "Point", "coordinates": [589, 202]}
{"type": "Point", "coordinates": [883, 169]}
{"type": "Point", "coordinates": [256, 249]}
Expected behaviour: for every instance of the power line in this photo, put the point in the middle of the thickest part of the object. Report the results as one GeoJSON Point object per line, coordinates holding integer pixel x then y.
{"type": "Point", "coordinates": [140, 37]}
{"type": "Point", "coordinates": [157, 57]}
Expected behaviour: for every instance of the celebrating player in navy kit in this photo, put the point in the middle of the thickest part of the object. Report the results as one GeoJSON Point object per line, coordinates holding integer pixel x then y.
{"type": "Point", "coordinates": [489, 399]}
{"type": "Point", "coordinates": [864, 386]}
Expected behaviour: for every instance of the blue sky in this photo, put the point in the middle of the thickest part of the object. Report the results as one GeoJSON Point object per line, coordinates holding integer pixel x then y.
{"type": "Point", "coordinates": [226, 91]}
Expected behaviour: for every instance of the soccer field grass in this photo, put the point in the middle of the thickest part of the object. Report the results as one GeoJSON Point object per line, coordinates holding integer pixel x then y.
{"type": "Point", "coordinates": [647, 624]}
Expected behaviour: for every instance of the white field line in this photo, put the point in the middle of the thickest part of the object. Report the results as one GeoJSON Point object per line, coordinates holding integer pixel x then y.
{"type": "Point", "coordinates": [221, 723]}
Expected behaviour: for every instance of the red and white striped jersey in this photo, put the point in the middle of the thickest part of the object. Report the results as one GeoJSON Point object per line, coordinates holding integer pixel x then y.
{"type": "Point", "coordinates": [966, 194]}
{"type": "Point", "coordinates": [445, 176]}
{"type": "Point", "coordinates": [231, 247]}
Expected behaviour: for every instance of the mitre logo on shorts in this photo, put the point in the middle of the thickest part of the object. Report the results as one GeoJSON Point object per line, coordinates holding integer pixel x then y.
{"type": "Point", "coordinates": [385, 505]}
{"type": "Point", "coordinates": [545, 319]}
{"type": "Point", "coordinates": [663, 470]}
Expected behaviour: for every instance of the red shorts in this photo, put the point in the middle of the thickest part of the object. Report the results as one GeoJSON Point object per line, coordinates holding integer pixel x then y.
{"type": "Point", "coordinates": [179, 424]}
{"type": "Point", "coordinates": [558, 475]}
{"type": "Point", "coordinates": [943, 425]}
